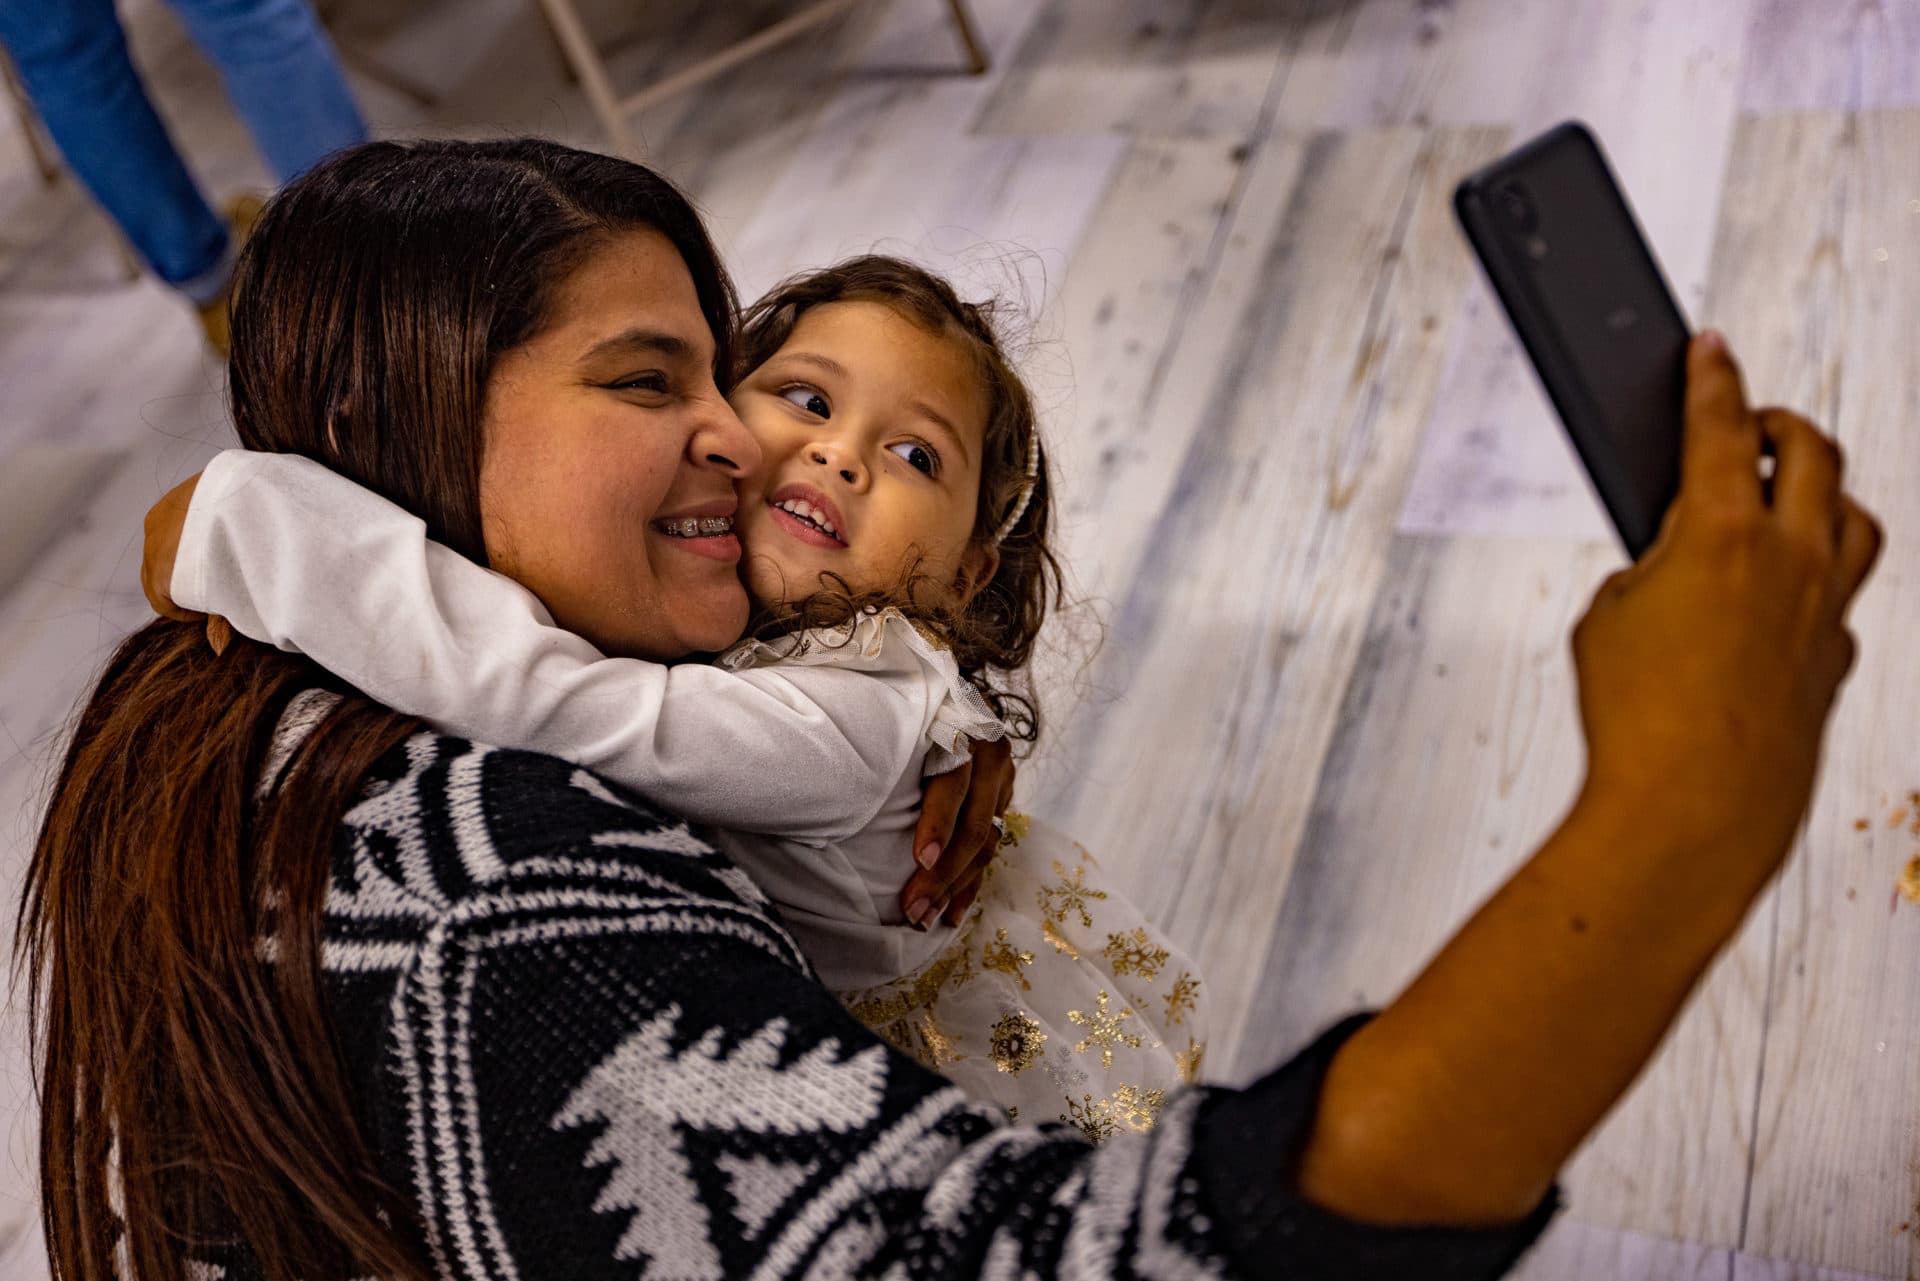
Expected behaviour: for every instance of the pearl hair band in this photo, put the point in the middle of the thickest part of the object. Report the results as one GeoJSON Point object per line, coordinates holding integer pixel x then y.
{"type": "Point", "coordinates": [1026, 491]}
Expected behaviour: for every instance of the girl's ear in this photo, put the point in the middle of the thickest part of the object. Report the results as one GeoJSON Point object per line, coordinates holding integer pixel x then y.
{"type": "Point", "coordinates": [978, 564]}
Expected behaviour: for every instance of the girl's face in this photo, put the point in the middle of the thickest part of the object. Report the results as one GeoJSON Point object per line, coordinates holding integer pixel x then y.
{"type": "Point", "coordinates": [604, 434]}
{"type": "Point", "coordinates": [870, 432]}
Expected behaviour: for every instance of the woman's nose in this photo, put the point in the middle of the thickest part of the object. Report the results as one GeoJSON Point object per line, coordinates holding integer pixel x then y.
{"type": "Point", "coordinates": [839, 458]}
{"type": "Point", "coordinates": [721, 441]}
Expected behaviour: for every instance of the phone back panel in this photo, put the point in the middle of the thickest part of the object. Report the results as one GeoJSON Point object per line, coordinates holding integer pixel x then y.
{"type": "Point", "coordinates": [1586, 297]}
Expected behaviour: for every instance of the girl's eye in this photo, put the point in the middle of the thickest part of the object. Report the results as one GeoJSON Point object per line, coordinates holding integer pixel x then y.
{"type": "Point", "coordinates": [918, 456]}
{"type": "Point", "coordinates": [653, 382]}
{"type": "Point", "coordinates": [808, 399]}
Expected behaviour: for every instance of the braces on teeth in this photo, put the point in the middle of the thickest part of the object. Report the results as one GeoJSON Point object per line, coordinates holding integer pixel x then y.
{"type": "Point", "coordinates": [698, 527]}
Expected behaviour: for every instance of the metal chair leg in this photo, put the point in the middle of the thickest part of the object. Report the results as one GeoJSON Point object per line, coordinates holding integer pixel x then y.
{"type": "Point", "coordinates": [563, 23]}
{"type": "Point", "coordinates": [130, 267]}
{"type": "Point", "coordinates": [964, 27]}
{"type": "Point", "coordinates": [559, 49]}
{"type": "Point", "coordinates": [43, 158]}
{"type": "Point", "coordinates": [578, 46]}
{"type": "Point", "coordinates": [386, 77]}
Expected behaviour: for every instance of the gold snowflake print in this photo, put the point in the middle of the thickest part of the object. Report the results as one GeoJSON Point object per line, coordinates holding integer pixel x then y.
{"type": "Point", "coordinates": [1005, 957]}
{"type": "Point", "coordinates": [962, 972]}
{"type": "Point", "coordinates": [939, 1045]}
{"type": "Point", "coordinates": [899, 1034]}
{"type": "Point", "coordinates": [1187, 1061]}
{"type": "Point", "coordinates": [1135, 953]}
{"type": "Point", "coordinates": [1104, 1030]}
{"type": "Point", "coordinates": [1017, 827]}
{"type": "Point", "coordinates": [1180, 1002]}
{"type": "Point", "coordinates": [1092, 1117]}
{"type": "Point", "coordinates": [1137, 1109]}
{"type": "Point", "coordinates": [1069, 896]}
{"type": "Point", "coordinates": [1016, 1043]}
{"type": "Point", "coordinates": [1051, 933]}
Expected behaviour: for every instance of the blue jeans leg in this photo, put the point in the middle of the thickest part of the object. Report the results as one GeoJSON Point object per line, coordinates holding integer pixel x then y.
{"type": "Point", "coordinates": [282, 75]}
{"type": "Point", "coordinates": [72, 58]}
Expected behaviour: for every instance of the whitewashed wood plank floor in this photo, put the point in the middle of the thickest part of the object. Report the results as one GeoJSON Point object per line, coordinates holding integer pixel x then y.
{"type": "Point", "coordinates": [1333, 531]}
{"type": "Point", "coordinates": [1837, 1135]}
{"type": "Point", "coordinates": [1297, 464]}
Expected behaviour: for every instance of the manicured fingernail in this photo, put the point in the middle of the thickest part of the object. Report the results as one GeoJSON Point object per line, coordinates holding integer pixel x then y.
{"type": "Point", "coordinates": [1713, 340]}
{"type": "Point", "coordinates": [917, 911]}
{"type": "Point", "coordinates": [929, 854]}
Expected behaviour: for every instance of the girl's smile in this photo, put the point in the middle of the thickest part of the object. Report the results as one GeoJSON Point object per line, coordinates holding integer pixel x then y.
{"type": "Point", "coordinates": [809, 515]}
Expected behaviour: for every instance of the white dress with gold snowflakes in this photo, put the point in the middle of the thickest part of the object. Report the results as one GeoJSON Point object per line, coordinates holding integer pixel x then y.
{"type": "Point", "coordinates": [1056, 998]}
{"type": "Point", "coordinates": [808, 754]}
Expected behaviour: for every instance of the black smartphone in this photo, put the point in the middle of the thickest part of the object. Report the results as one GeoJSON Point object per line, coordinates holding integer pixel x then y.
{"type": "Point", "coordinates": [1564, 254]}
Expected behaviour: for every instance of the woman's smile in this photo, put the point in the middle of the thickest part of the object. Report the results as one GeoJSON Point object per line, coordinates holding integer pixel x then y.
{"type": "Point", "coordinates": [705, 530]}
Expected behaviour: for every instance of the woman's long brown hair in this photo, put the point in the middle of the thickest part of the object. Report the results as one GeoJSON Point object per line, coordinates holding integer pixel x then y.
{"type": "Point", "coordinates": [193, 1096]}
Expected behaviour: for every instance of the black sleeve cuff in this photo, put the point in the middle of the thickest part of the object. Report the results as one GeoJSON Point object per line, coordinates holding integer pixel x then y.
{"type": "Point", "coordinates": [1248, 1146]}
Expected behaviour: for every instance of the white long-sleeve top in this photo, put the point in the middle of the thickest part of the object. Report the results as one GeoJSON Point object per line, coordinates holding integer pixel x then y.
{"type": "Point", "coordinates": [807, 753]}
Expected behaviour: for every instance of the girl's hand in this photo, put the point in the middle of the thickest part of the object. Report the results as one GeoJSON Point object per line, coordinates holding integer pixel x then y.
{"type": "Point", "coordinates": [165, 520]}
{"type": "Point", "coordinates": [955, 839]}
{"type": "Point", "coordinates": [1707, 671]}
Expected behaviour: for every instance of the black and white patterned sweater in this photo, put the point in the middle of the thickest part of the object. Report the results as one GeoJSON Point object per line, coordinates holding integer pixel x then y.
{"type": "Point", "coordinates": [585, 1046]}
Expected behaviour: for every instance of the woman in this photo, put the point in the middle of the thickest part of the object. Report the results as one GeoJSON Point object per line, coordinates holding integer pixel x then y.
{"type": "Point", "coordinates": [526, 1025]}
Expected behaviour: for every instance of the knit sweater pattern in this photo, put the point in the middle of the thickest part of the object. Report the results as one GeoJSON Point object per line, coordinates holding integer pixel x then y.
{"type": "Point", "coordinates": [582, 1043]}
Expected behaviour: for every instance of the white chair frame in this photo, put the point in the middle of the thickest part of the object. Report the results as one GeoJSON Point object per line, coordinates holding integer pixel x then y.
{"type": "Point", "coordinates": [614, 111]}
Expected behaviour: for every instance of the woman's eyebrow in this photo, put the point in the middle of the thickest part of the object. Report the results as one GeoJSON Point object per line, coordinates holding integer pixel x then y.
{"type": "Point", "coordinates": [641, 342]}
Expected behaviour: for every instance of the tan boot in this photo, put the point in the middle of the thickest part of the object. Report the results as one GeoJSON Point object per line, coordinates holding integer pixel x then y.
{"type": "Point", "coordinates": [241, 213]}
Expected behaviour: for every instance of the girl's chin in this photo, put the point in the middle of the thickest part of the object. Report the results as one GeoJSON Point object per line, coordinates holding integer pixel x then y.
{"type": "Point", "coordinates": [771, 582]}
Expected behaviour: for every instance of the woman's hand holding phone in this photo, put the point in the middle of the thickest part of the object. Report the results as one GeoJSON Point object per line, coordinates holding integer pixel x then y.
{"type": "Point", "coordinates": [1708, 669]}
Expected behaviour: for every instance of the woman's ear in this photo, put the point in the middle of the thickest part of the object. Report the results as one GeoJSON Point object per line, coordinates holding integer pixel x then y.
{"type": "Point", "coordinates": [978, 564]}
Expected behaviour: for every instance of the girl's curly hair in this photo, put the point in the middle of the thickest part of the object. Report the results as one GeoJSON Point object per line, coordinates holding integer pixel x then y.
{"type": "Point", "coordinates": [993, 636]}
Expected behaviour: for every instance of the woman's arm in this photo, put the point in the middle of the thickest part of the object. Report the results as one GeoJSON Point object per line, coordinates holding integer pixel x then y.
{"type": "Point", "coordinates": [1707, 673]}
{"type": "Point", "coordinates": [1461, 1101]}
{"type": "Point", "coordinates": [297, 556]}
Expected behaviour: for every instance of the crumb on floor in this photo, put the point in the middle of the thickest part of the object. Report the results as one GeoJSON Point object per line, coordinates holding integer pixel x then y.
{"type": "Point", "coordinates": [1910, 880]}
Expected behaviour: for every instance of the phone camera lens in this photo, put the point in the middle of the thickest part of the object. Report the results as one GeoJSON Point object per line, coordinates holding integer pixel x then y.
{"type": "Point", "coordinates": [1517, 205]}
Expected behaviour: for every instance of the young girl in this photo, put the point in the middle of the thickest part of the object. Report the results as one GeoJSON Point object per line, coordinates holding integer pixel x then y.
{"type": "Point", "coordinates": [894, 541]}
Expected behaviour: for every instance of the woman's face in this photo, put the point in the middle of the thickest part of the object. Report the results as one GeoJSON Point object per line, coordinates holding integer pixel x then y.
{"type": "Point", "coordinates": [606, 442]}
